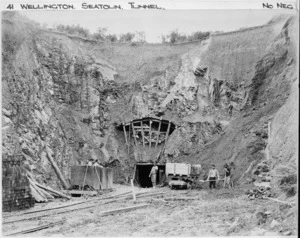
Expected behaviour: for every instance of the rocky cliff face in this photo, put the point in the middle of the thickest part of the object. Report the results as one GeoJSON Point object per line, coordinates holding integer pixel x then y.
{"type": "Point", "coordinates": [55, 101]}
{"type": "Point", "coordinates": [63, 97]}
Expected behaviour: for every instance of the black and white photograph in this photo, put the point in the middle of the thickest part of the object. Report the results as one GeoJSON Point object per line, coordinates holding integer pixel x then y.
{"type": "Point", "coordinates": [149, 121]}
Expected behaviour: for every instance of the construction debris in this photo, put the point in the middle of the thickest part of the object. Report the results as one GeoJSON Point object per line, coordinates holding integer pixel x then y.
{"type": "Point", "coordinates": [262, 182]}
{"type": "Point", "coordinates": [200, 71]}
{"type": "Point", "coordinates": [259, 192]}
{"type": "Point", "coordinates": [262, 172]}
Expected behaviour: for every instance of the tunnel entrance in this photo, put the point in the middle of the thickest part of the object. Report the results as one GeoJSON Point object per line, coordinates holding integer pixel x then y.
{"type": "Point", "coordinates": [142, 171]}
{"type": "Point", "coordinates": [147, 131]}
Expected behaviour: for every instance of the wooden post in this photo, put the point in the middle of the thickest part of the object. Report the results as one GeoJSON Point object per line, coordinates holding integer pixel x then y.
{"type": "Point", "coordinates": [133, 193]}
{"type": "Point", "coordinates": [168, 130]}
{"type": "Point", "coordinates": [133, 131]}
{"type": "Point", "coordinates": [56, 169]}
{"type": "Point", "coordinates": [166, 138]}
{"type": "Point", "coordinates": [124, 129]}
{"type": "Point", "coordinates": [143, 133]}
{"type": "Point", "coordinates": [157, 139]}
{"type": "Point", "coordinates": [125, 134]}
{"type": "Point", "coordinates": [129, 135]}
{"type": "Point", "coordinates": [150, 133]}
{"type": "Point", "coordinates": [134, 171]}
{"type": "Point", "coordinates": [84, 180]}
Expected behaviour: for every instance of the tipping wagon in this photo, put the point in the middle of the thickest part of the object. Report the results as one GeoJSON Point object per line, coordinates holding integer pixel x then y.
{"type": "Point", "coordinates": [89, 180]}
{"type": "Point", "coordinates": [182, 175]}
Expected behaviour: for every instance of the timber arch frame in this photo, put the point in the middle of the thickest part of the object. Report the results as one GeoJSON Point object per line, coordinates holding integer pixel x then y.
{"type": "Point", "coordinates": [147, 131]}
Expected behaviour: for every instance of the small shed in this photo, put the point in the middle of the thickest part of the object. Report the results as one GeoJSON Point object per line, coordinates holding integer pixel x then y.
{"type": "Point", "coordinates": [96, 177]}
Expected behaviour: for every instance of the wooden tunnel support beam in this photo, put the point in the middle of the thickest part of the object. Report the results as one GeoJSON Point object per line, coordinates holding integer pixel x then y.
{"type": "Point", "coordinates": [125, 134]}
{"type": "Point", "coordinates": [129, 139]}
{"type": "Point", "coordinates": [133, 131]}
{"type": "Point", "coordinates": [168, 131]}
{"type": "Point", "coordinates": [143, 135]}
{"type": "Point", "coordinates": [129, 136]}
{"type": "Point", "coordinates": [157, 138]}
{"type": "Point", "coordinates": [150, 123]}
{"type": "Point", "coordinates": [166, 138]}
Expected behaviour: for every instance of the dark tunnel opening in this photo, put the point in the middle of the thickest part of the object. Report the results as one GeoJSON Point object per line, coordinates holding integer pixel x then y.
{"type": "Point", "coordinates": [142, 175]}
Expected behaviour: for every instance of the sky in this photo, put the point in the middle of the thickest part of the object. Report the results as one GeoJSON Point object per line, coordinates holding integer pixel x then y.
{"type": "Point", "coordinates": [153, 22]}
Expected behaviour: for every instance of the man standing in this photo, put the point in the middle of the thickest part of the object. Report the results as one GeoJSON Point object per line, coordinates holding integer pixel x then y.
{"type": "Point", "coordinates": [153, 174]}
{"type": "Point", "coordinates": [212, 177]}
{"type": "Point", "coordinates": [227, 176]}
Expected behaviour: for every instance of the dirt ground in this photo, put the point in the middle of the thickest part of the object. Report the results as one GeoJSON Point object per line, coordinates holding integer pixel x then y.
{"type": "Point", "coordinates": [220, 212]}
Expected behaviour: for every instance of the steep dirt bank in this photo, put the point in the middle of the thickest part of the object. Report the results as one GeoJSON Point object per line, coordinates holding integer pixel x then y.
{"type": "Point", "coordinates": [243, 134]}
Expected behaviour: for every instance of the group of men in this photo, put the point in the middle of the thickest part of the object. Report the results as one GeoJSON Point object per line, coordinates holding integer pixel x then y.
{"type": "Point", "coordinates": [213, 176]}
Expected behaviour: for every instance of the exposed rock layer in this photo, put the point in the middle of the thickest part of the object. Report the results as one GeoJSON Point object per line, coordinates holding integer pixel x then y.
{"type": "Point", "coordinates": [64, 96]}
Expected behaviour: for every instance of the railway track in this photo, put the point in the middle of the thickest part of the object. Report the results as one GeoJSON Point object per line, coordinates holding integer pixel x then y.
{"type": "Point", "coordinates": [88, 204]}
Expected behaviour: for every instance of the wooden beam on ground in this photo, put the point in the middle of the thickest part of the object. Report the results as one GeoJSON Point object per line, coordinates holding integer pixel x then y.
{"type": "Point", "coordinates": [203, 181]}
{"type": "Point", "coordinates": [117, 195]}
{"type": "Point", "coordinates": [56, 169]}
{"type": "Point", "coordinates": [53, 208]}
{"type": "Point", "coordinates": [73, 204]}
{"type": "Point", "coordinates": [276, 200]}
{"type": "Point", "coordinates": [150, 194]}
{"type": "Point", "coordinates": [42, 192]}
{"type": "Point", "coordinates": [53, 191]}
{"type": "Point", "coordinates": [134, 134]}
{"type": "Point", "coordinates": [143, 135]}
{"type": "Point", "coordinates": [38, 228]}
{"type": "Point", "coordinates": [35, 190]}
{"type": "Point", "coordinates": [90, 193]}
{"type": "Point", "coordinates": [158, 200]}
{"type": "Point", "coordinates": [182, 198]}
{"type": "Point", "coordinates": [157, 139]}
{"type": "Point", "coordinates": [36, 195]}
{"type": "Point", "coordinates": [113, 198]}
{"type": "Point", "coordinates": [126, 209]}
{"type": "Point", "coordinates": [129, 196]}
{"type": "Point", "coordinates": [59, 212]}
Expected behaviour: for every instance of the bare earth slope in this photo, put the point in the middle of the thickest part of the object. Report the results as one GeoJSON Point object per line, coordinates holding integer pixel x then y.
{"type": "Point", "coordinates": [64, 96]}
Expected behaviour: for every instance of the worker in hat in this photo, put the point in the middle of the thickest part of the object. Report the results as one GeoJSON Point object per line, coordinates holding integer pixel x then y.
{"type": "Point", "coordinates": [153, 174]}
{"type": "Point", "coordinates": [227, 176]}
{"type": "Point", "coordinates": [213, 176]}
